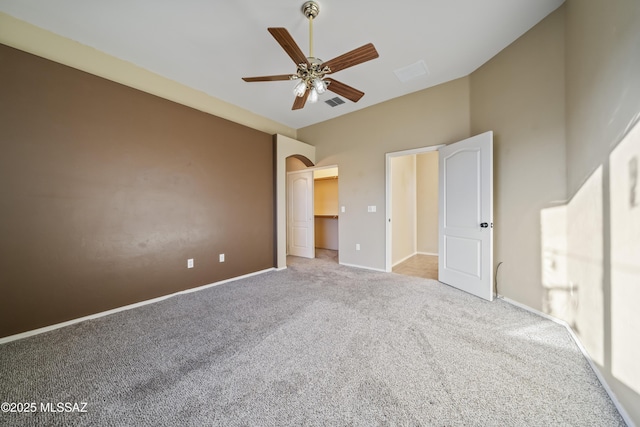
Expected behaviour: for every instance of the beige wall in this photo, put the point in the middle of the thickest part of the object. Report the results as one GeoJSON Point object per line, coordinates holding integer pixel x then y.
{"type": "Point", "coordinates": [603, 89]}
{"type": "Point", "coordinates": [357, 143]}
{"type": "Point", "coordinates": [519, 94]}
{"type": "Point", "coordinates": [326, 233]}
{"type": "Point", "coordinates": [603, 101]}
{"type": "Point", "coordinates": [403, 208]}
{"type": "Point", "coordinates": [325, 193]}
{"type": "Point", "coordinates": [427, 202]}
{"type": "Point", "coordinates": [325, 203]}
{"type": "Point", "coordinates": [621, 358]}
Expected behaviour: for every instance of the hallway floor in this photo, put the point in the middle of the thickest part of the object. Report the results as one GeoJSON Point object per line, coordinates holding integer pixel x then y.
{"type": "Point", "coordinates": [425, 266]}
{"type": "Point", "coordinates": [419, 265]}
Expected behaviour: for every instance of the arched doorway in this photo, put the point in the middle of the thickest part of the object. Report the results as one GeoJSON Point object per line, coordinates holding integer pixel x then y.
{"type": "Point", "coordinates": [286, 147]}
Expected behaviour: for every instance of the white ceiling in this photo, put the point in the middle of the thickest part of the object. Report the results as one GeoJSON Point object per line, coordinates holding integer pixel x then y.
{"type": "Point", "coordinates": [210, 44]}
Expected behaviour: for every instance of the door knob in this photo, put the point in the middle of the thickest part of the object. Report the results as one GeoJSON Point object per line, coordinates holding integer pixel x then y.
{"type": "Point", "coordinates": [484, 225]}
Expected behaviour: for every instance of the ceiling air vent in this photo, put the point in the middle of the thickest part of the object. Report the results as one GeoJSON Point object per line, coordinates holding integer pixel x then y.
{"type": "Point", "coordinates": [334, 102]}
{"type": "Point", "coordinates": [412, 71]}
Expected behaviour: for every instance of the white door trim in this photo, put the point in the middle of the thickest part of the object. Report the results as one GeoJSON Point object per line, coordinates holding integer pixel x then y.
{"type": "Point", "coordinates": [388, 157]}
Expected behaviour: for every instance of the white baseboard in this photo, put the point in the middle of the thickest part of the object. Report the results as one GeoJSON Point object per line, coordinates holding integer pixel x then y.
{"type": "Point", "coordinates": [593, 366]}
{"type": "Point", "coordinates": [26, 334]}
{"type": "Point", "coordinates": [404, 259]}
{"type": "Point", "coordinates": [363, 267]}
{"type": "Point", "coordinates": [412, 255]}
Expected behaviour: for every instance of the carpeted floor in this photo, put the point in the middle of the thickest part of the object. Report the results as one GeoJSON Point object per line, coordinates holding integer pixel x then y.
{"type": "Point", "coordinates": [316, 344]}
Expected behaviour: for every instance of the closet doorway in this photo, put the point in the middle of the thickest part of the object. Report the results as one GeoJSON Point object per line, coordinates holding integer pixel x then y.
{"type": "Point", "coordinates": [326, 215]}
{"type": "Point", "coordinates": [318, 203]}
{"type": "Point", "coordinates": [412, 212]}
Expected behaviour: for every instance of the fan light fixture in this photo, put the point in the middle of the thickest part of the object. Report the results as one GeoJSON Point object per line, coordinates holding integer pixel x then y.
{"type": "Point", "coordinates": [311, 71]}
{"type": "Point", "coordinates": [311, 75]}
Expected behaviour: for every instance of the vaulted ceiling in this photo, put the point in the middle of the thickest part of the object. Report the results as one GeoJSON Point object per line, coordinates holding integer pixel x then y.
{"type": "Point", "coordinates": [210, 45]}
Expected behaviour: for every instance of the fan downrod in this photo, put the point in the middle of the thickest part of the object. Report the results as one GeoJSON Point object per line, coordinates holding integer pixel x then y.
{"type": "Point", "coordinates": [310, 9]}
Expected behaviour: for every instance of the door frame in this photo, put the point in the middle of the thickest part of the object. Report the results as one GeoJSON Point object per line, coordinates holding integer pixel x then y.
{"type": "Point", "coordinates": [285, 147]}
{"type": "Point", "coordinates": [388, 195]}
{"type": "Point", "coordinates": [313, 226]}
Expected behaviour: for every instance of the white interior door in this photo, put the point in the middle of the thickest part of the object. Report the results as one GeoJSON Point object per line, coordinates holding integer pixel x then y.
{"type": "Point", "coordinates": [466, 215]}
{"type": "Point", "coordinates": [301, 238]}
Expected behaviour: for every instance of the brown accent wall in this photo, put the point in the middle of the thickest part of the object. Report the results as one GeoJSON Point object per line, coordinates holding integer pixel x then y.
{"type": "Point", "coordinates": [106, 191]}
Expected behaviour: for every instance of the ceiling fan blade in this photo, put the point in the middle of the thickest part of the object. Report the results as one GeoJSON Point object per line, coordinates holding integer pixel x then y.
{"type": "Point", "coordinates": [289, 45]}
{"type": "Point", "coordinates": [300, 101]}
{"type": "Point", "coordinates": [352, 94]}
{"type": "Point", "coordinates": [267, 78]}
{"type": "Point", "coordinates": [357, 56]}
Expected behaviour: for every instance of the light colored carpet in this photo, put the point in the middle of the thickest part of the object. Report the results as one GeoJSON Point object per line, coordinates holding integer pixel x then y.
{"type": "Point", "coordinates": [316, 344]}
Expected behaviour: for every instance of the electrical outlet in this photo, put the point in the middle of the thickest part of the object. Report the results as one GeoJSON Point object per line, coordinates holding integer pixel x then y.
{"type": "Point", "coordinates": [371, 208]}
{"type": "Point", "coordinates": [190, 263]}
{"type": "Point", "coordinates": [357, 246]}
{"type": "Point", "coordinates": [221, 257]}
{"type": "Point", "coordinates": [343, 209]}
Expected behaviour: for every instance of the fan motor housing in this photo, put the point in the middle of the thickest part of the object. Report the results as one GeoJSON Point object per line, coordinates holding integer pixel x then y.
{"type": "Point", "coordinates": [310, 9]}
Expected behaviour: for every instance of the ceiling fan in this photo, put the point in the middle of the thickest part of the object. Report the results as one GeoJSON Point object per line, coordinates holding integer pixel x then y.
{"type": "Point", "coordinates": [311, 71]}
